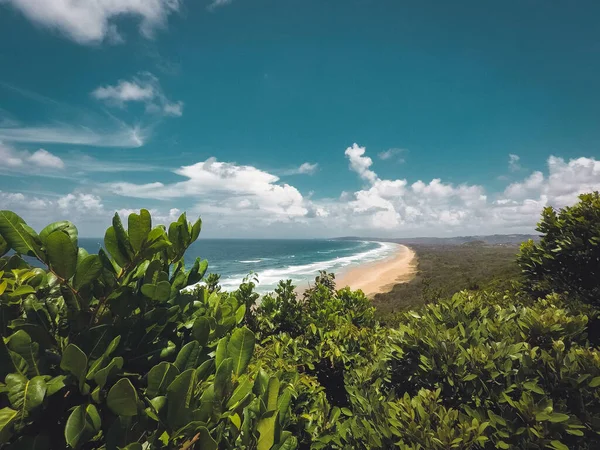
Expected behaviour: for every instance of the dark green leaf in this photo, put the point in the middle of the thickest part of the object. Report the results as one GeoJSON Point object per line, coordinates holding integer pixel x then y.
{"type": "Point", "coordinates": [62, 254]}
{"type": "Point", "coordinates": [187, 358]}
{"type": "Point", "coordinates": [139, 226]}
{"type": "Point", "coordinates": [17, 237]}
{"type": "Point", "coordinates": [75, 362]}
{"type": "Point", "coordinates": [240, 349]}
{"type": "Point", "coordinates": [179, 396]}
{"type": "Point", "coordinates": [159, 379]}
{"type": "Point", "coordinates": [122, 398]}
{"type": "Point", "coordinates": [87, 271]}
{"type": "Point", "coordinates": [201, 330]}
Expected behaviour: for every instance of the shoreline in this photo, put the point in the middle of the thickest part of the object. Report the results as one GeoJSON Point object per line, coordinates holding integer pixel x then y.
{"type": "Point", "coordinates": [381, 276]}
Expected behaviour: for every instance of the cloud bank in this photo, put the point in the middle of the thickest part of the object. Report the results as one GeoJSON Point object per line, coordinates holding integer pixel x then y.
{"type": "Point", "coordinates": [243, 200]}
{"type": "Point", "coordinates": [93, 21]}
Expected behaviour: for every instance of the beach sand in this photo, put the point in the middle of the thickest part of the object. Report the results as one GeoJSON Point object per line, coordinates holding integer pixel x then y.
{"type": "Point", "coordinates": [380, 276]}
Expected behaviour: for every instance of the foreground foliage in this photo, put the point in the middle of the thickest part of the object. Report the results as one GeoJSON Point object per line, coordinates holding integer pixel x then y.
{"type": "Point", "coordinates": [130, 349]}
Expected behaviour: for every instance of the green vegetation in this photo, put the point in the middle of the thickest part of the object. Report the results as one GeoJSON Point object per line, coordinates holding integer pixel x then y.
{"type": "Point", "coordinates": [443, 270]}
{"type": "Point", "coordinates": [125, 350]}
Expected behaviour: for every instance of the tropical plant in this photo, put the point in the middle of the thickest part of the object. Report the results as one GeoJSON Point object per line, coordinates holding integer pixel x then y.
{"type": "Point", "coordinates": [567, 258]}
{"type": "Point", "coordinates": [112, 351]}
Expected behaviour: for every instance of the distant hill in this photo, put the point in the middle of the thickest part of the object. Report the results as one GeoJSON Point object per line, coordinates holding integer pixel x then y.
{"type": "Point", "coordinates": [494, 239]}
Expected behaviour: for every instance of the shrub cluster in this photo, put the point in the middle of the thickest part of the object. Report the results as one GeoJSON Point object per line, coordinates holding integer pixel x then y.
{"type": "Point", "coordinates": [130, 349]}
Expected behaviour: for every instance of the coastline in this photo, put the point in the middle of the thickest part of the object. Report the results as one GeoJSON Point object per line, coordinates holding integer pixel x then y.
{"type": "Point", "coordinates": [381, 276]}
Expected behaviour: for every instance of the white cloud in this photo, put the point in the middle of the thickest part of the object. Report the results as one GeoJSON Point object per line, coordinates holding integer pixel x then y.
{"type": "Point", "coordinates": [514, 164]}
{"type": "Point", "coordinates": [124, 91]}
{"type": "Point", "coordinates": [304, 169]}
{"type": "Point", "coordinates": [23, 161]}
{"type": "Point", "coordinates": [92, 21]}
{"type": "Point", "coordinates": [44, 158]}
{"type": "Point", "coordinates": [238, 200]}
{"type": "Point", "coordinates": [68, 134]}
{"type": "Point", "coordinates": [226, 189]}
{"type": "Point", "coordinates": [397, 208]}
{"type": "Point", "coordinates": [218, 3]}
{"type": "Point", "coordinates": [144, 88]}
{"type": "Point", "coordinates": [391, 153]}
{"type": "Point", "coordinates": [359, 163]}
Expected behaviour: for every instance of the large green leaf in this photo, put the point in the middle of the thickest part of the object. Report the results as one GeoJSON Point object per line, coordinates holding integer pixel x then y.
{"type": "Point", "coordinates": [23, 394]}
{"type": "Point", "coordinates": [179, 396]}
{"type": "Point", "coordinates": [201, 330]}
{"type": "Point", "coordinates": [21, 344]}
{"type": "Point", "coordinates": [240, 349]}
{"type": "Point", "coordinates": [272, 394]}
{"type": "Point", "coordinates": [243, 388]}
{"type": "Point", "coordinates": [62, 254]}
{"type": "Point", "coordinates": [83, 424]}
{"type": "Point", "coordinates": [223, 380]}
{"type": "Point", "coordinates": [122, 237]}
{"type": "Point", "coordinates": [221, 352]}
{"type": "Point", "coordinates": [159, 378]}
{"type": "Point", "coordinates": [138, 228]}
{"type": "Point", "coordinates": [122, 398]}
{"type": "Point", "coordinates": [196, 228]}
{"type": "Point", "coordinates": [64, 226]}
{"type": "Point", "coordinates": [87, 271]}
{"type": "Point", "coordinates": [160, 291]}
{"type": "Point", "coordinates": [75, 362]}
{"type": "Point", "coordinates": [111, 244]}
{"type": "Point", "coordinates": [109, 371]}
{"type": "Point", "coordinates": [13, 232]}
{"type": "Point", "coordinates": [7, 417]}
{"type": "Point", "coordinates": [267, 429]}
{"type": "Point", "coordinates": [187, 358]}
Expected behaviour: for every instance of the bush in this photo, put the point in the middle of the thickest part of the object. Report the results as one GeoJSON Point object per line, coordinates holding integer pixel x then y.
{"type": "Point", "coordinates": [111, 350]}
{"type": "Point", "coordinates": [567, 258]}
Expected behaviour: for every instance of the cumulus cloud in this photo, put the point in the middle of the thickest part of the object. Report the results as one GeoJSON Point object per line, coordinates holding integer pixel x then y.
{"type": "Point", "coordinates": [144, 88]}
{"type": "Point", "coordinates": [93, 21]}
{"type": "Point", "coordinates": [392, 153]}
{"type": "Point", "coordinates": [241, 200]}
{"type": "Point", "coordinates": [304, 169]}
{"type": "Point", "coordinates": [359, 163]}
{"type": "Point", "coordinates": [225, 188]}
{"type": "Point", "coordinates": [25, 161]}
{"type": "Point", "coordinates": [44, 158]}
{"type": "Point", "coordinates": [399, 208]}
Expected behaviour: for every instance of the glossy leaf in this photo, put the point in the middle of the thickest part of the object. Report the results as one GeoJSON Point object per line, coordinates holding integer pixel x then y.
{"type": "Point", "coordinates": [62, 254]}
{"type": "Point", "coordinates": [138, 228]}
{"type": "Point", "coordinates": [159, 379]}
{"type": "Point", "coordinates": [122, 398]}
{"type": "Point", "coordinates": [87, 271]}
{"type": "Point", "coordinates": [240, 349]}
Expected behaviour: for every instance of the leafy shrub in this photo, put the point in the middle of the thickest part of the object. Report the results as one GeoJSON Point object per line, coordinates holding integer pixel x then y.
{"type": "Point", "coordinates": [111, 351]}
{"type": "Point", "coordinates": [567, 258]}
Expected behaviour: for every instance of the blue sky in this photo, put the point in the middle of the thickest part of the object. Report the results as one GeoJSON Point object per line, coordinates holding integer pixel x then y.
{"type": "Point", "coordinates": [282, 118]}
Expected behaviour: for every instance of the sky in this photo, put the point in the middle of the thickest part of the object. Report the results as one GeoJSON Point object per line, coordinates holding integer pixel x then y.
{"type": "Point", "coordinates": [299, 119]}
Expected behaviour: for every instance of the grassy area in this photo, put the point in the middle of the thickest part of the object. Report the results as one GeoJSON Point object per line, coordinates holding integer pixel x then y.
{"type": "Point", "coordinates": [443, 270]}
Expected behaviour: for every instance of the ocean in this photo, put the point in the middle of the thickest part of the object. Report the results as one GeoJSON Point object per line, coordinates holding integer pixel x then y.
{"type": "Point", "coordinates": [275, 259]}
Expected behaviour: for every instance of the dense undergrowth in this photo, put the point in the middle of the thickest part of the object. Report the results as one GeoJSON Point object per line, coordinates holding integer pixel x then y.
{"type": "Point", "coordinates": [125, 349]}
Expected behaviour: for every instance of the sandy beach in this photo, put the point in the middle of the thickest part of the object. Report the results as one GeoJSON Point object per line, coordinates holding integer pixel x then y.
{"type": "Point", "coordinates": [380, 276]}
